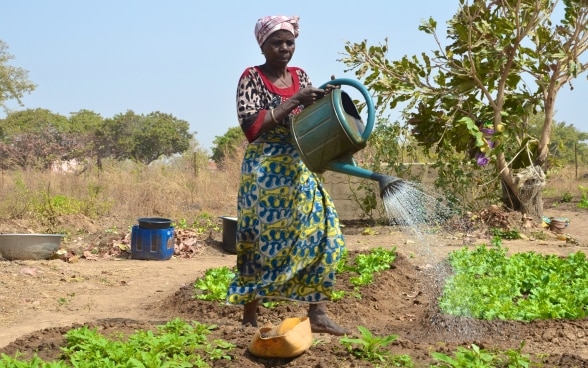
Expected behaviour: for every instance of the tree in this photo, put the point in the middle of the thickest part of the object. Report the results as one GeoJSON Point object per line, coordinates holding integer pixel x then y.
{"type": "Point", "coordinates": [37, 138]}
{"type": "Point", "coordinates": [84, 121]}
{"type": "Point", "coordinates": [40, 149]}
{"type": "Point", "coordinates": [31, 121]}
{"type": "Point", "coordinates": [471, 96]}
{"type": "Point", "coordinates": [143, 138]}
{"type": "Point", "coordinates": [160, 135]}
{"type": "Point", "coordinates": [567, 144]}
{"type": "Point", "coordinates": [14, 82]}
{"type": "Point", "coordinates": [227, 144]}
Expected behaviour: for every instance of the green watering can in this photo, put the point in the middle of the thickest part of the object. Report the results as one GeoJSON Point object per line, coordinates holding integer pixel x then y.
{"type": "Point", "coordinates": [328, 133]}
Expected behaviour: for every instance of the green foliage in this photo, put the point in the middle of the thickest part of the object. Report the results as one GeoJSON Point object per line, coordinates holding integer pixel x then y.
{"type": "Point", "coordinates": [270, 304]}
{"type": "Point", "coordinates": [84, 122]}
{"type": "Point", "coordinates": [481, 358]}
{"type": "Point", "coordinates": [372, 348]}
{"type": "Point", "coordinates": [226, 145]}
{"type": "Point", "coordinates": [337, 295]}
{"type": "Point", "coordinates": [464, 183]}
{"type": "Point", "coordinates": [342, 266]}
{"type": "Point", "coordinates": [40, 149]}
{"type": "Point", "coordinates": [203, 223]}
{"type": "Point", "coordinates": [566, 144]}
{"type": "Point", "coordinates": [175, 344]}
{"type": "Point", "coordinates": [584, 201]}
{"type": "Point", "coordinates": [7, 361]}
{"type": "Point", "coordinates": [213, 286]}
{"type": "Point", "coordinates": [365, 195]}
{"type": "Point", "coordinates": [143, 138]}
{"type": "Point", "coordinates": [363, 268]}
{"type": "Point", "coordinates": [477, 77]}
{"type": "Point", "coordinates": [526, 286]}
{"type": "Point", "coordinates": [365, 265]}
{"type": "Point", "coordinates": [566, 198]}
{"type": "Point", "coordinates": [505, 234]}
{"type": "Point", "coordinates": [37, 135]}
{"type": "Point", "coordinates": [14, 81]}
{"type": "Point", "coordinates": [49, 207]}
{"type": "Point", "coordinates": [34, 121]}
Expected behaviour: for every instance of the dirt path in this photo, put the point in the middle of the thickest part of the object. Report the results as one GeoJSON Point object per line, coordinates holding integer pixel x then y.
{"type": "Point", "coordinates": [39, 294]}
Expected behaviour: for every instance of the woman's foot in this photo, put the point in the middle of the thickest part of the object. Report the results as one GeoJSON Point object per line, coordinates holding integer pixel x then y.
{"type": "Point", "coordinates": [321, 323]}
{"type": "Point", "coordinates": [250, 314]}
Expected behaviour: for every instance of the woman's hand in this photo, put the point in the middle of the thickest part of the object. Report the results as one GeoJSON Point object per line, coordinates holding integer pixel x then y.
{"type": "Point", "coordinates": [331, 87]}
{"type": "Point", "coordinates": [307, 96]}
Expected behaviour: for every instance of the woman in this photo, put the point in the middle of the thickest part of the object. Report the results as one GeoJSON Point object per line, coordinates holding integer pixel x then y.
{"type": "Point", "coordinates": [288, 235]}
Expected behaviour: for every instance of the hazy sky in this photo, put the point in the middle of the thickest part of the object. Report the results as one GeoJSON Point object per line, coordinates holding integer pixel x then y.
{"type": "Point", "coordinates": [185, 57]}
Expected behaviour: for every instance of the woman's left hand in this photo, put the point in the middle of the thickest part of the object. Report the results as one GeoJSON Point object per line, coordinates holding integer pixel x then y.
{"type": "Point", "coordinates": [331, 87]}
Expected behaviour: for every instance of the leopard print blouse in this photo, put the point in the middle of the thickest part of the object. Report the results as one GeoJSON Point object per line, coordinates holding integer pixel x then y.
{"type": "Point", "coordinates": [256, 94]}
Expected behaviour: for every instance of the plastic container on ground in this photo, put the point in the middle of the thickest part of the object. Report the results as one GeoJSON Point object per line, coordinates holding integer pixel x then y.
{"type": "Point", "coordinates": [152, 244]}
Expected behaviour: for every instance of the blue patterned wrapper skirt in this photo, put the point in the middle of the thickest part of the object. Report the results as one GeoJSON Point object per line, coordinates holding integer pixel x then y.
{"type": "Point", "coordinates": [288, 236]}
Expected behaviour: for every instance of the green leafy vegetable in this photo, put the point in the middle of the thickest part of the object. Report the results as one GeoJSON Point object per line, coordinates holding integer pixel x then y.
{"type": "Point", "coordinates": [526, 286]}
{"type": "Point", "coordinates": [213, 286]}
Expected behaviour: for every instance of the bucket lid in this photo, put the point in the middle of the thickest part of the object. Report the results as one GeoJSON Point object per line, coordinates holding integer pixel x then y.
{"type": "Point", "coordinates": [154, 222]}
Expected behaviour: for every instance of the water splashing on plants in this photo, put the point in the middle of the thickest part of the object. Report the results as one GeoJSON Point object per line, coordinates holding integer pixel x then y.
{"type": "Point", "coordinates": [421, 213]}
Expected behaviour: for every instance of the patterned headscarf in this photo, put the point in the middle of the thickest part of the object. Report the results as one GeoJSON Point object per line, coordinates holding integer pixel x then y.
{"type": "Point", "coordinates": [267, 25]}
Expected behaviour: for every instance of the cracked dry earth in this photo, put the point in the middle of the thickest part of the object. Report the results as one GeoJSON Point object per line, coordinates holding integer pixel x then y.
{"type": "Point", "coordinates": [41, 300]}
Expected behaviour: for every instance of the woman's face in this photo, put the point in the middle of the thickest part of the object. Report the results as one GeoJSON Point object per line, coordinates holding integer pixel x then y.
{"type": "Point", "coordinates": [279, 48]}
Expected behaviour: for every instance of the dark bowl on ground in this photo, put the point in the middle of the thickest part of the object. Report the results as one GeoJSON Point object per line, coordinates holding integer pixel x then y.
{"type": "Point", "coordinates": [229, 234]}
{"type": "Point", "coordinates": [29, 246]}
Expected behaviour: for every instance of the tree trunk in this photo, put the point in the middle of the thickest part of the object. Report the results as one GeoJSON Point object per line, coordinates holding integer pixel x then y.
{"type": "Point", "coordinates": [528, 198]}
{"type": "Point", "coordinates": [532, 202]}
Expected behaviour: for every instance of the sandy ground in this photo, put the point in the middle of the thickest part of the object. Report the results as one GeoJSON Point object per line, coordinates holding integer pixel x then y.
{"type": "Point", "coordinates": [41, 296]}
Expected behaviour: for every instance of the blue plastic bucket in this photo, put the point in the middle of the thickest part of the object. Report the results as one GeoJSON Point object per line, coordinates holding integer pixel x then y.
{"type": "Point", "coordinates": [152, 244]}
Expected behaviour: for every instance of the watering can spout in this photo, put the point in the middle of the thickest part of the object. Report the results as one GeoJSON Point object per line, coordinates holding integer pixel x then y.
{"type": "Point", "coordinates": [388, 184]}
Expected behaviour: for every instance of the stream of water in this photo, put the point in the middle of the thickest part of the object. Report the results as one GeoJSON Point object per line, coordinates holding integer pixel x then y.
{"type": "Point", "coordinates": [421, 214]}
{"type": "Point", "coordinates": [416, 209]}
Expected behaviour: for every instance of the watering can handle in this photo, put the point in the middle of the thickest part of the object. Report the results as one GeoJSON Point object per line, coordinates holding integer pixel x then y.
{"type": "Point", "coordinates": [369, 125]}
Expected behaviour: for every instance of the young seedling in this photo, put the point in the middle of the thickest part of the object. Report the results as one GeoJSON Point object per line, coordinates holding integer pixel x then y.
{"type": "Point", "coordinates": [368, 346]}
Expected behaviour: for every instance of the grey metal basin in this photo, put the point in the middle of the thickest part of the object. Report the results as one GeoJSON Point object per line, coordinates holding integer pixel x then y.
{"type": "Point", "coordinates": [29, 246]}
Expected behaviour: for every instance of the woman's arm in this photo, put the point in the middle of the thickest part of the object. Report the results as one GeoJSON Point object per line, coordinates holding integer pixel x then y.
{"type": "Point", "coordinates": [254, 116]}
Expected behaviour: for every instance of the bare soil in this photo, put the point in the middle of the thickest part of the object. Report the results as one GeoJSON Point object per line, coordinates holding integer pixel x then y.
{"type": "Point", "coordinates": [41, 300]}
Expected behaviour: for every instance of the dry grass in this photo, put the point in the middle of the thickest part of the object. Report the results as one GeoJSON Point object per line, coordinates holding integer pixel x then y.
{"type": "Point", "coordinates": [43, 201]}
{"type": "Point", "coordinates": [561, 182]}
{"type": "Point", "coordinates": [117, 195]}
